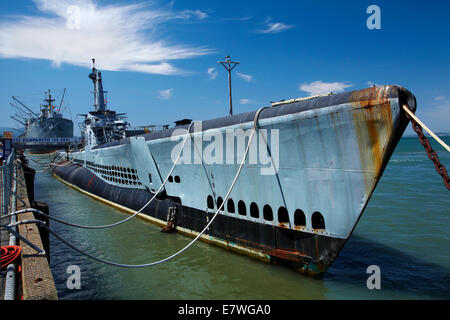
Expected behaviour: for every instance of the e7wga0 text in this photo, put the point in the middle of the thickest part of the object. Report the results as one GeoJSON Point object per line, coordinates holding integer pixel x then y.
{"type": "Point", "coordinates": [242, 309]}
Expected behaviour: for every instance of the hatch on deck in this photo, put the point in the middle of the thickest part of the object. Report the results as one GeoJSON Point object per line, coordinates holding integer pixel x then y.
{"type": "Point", "coordinates": [182, 122]}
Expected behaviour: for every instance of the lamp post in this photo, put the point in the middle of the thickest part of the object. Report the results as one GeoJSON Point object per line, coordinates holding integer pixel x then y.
{"type": "Point", "coordinates": [229, 65]}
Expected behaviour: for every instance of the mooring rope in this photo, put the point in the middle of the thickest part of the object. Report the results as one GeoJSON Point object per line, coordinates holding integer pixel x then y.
{"type": "Point", "coordinates": [9, 254]}
{"type": "Point", "coordinates": [412, 115]}
{"type": "Point", "coordinates": [255, 124]}
{"type": "Point", "coordinates": [121, 221]}
{"type": "Point", "coordinates": [52, 163]}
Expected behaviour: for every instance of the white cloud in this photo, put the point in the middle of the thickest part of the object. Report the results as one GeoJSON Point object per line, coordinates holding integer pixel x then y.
{"type": "Point", "coordinates": [244, 76]}
{"type": "Point", "coordinates": [275, 27]}
{"type": "Point", "coordinates": [319, 87]}
{"type": "Point", "coordinates": [188, 14]}
{"type": "Point", "coordinates": [246, 101]}
{"type": "Point", "coordinates": [212, 72]}
{"type": "Point", "coordinates": [120, 37]}
{"type": "Point", "coordinates": [439, 98]}
{"type": "Point", "coordinates": [165, 94]}
{"type": "Point", "coordinates": [245, 18]}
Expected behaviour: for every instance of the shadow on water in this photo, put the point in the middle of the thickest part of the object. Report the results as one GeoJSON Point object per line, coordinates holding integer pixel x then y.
{"type": "Point", "coordinates": [399, 271]}
{"type": "Point", "coordinates": [207, 272]}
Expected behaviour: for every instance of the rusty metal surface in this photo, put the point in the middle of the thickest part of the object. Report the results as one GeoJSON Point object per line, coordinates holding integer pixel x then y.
{"type": "Point", "coordinates": [333, 151]}
{"type": "Point", "coordinates": [372, 117]}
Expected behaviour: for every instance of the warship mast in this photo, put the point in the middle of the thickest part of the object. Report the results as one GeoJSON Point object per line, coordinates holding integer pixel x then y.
{"type": "Point", "coordinates": [99, 94]}
{"type": "Point", "coordinates": [48, 106]}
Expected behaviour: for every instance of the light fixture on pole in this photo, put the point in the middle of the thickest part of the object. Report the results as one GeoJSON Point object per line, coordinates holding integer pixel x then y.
{"type": "Point", "coordinates": [229, 65]}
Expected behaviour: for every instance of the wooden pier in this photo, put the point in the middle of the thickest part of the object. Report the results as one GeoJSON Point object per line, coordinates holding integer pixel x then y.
{"type": "Point", "coordinates": [34, 280]}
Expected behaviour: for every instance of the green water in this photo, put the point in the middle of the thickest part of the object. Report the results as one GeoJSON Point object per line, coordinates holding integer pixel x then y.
{"type": "Point", "coordinates": [405, 230]}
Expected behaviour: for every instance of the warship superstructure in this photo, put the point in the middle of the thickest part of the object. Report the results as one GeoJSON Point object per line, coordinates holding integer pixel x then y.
{"type": "Point", "coordinates": [48, 124]}
{"type": "Point", "coordinates": [297, 204]}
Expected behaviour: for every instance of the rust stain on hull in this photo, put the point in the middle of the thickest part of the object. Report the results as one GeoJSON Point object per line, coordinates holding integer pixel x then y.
{"type": "Point", "coordinates": [372, 118]}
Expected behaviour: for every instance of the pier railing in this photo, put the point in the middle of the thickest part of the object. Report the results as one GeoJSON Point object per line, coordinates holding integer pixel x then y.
{"type": "Point", "coordinates": [36, 280]}
{"type": "Point", "coordinates": [6, 174]}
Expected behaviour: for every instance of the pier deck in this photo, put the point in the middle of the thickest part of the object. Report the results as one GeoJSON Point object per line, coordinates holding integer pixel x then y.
{"type": "Point", "coordinates": [34, 280]}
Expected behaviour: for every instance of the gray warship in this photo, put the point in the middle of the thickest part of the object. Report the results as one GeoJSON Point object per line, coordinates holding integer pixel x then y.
{"type": "Point", "coordinates": [48, 125]}
{"type": "Point", "coordinates": [332, 151]}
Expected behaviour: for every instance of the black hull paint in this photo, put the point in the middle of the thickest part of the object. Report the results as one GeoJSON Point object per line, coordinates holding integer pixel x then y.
{"type": "Point", "coordinates": [306, 252]}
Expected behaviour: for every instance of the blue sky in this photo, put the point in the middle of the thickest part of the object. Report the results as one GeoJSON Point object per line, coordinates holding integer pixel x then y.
{"type": "Point", "coordinates": [159, 59]}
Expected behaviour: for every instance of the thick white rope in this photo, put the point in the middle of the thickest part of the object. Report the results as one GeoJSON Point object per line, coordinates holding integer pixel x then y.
{"type": "Point", "coordinates": [52, 163]}
{"type": "Point", "coordinates": [442, 143]}
{"type": "Point", "coordinates": [116, 223]}
{"type": "Point", "coordinates": [190, 243]}
{"type": "Point", "coordinates": [134, 214]}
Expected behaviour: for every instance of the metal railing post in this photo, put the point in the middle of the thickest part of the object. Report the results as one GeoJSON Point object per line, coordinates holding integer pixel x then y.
{"type": "Point", "coordinates": [2, 175]}
{"type": "Point", "coordinates": [10, 282]}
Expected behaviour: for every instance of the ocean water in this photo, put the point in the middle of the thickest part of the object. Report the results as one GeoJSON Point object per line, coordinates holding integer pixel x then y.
{"type": "Point", "coordinates": [405, 231]}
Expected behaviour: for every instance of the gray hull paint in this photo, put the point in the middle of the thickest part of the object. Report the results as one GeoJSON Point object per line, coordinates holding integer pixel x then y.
{"type": "Point", "coordinates": [49, 128]}
{"type": "Point", "coordinates": [332, 152]}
